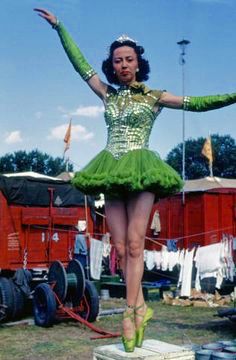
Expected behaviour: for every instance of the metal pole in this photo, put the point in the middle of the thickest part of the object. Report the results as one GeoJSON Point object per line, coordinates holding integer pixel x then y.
{"type": "Point", "coordinates": [183, 134]}
{"type": "Point", "coordinates": [183, 43]}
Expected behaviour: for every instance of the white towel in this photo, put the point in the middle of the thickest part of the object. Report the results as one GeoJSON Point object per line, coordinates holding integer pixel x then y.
{"type": "Point", "coordinates": [208, 258]}
{"type": "Point", "coordinates": [187, 273]}
{"type": "Point", "coordinates": [150, 259]}
{"type": "Point", "coordinates": [96, 252]}
{"type": "Point", "coordinates": [164, 258]}
{"type": "Point", "coordinates": [211, 262]}
{"type": "Point", "coordinates": [173, 259]}
{"type": "Point", "coordinates": [157, 259]}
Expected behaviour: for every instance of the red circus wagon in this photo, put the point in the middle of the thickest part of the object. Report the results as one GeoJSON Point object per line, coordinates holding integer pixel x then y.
{"type": "Point", "coordinates": [39, 216]}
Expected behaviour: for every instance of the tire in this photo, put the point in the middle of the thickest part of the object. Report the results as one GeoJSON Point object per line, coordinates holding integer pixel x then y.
{"type": "Point", "coordinates": [19, 302]}
{"type": "Point", "coordinates": [44, 305]}
{"type": "Point", "coordinates": [91, 296]}
{"type": "Point", "coordinates": [7, 298]}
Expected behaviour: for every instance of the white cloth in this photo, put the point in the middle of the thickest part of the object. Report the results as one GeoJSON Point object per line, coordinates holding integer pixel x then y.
{"type": "Point", "coordinates": [150, 259]}
{"type": "Point", "coordinates": [106, 244]}
{"type": "Point", "coordinates": [187, 273]}
{"type": "Point", "coordinates": [173, 259]}
{"type": "Point", "coordinates": [208, 258]}
{"type": "Point", "coordinates": [181, 263]}
{"type": "Point", "coordinates": [96, 253]}
{"type": "Point", "coordinates": [156, 223]}
{"type": "Point", "coordinates": [157, 259]}
{"type": "Point", "coordinates": [164, 258]}
{"type": "Point", "coordinates": [215, 260]}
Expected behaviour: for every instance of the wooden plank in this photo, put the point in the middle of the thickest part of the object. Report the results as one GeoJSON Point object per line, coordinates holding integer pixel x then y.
{"type": "Point", "coordinates": [151, 350]}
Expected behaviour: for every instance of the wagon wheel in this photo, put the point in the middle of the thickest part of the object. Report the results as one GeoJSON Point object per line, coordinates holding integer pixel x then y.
{"type": "Point", "coordinates": [57, 277]}
{"type": "Point", "coordinates": [19, 301]}
{"type": "Point", "coordinates": [90, 302]}
{"type": "Point", "coordinates": [7, 301]}
{"type": "Point", "coordinates": [76, 282]}
{"type": "Point", "coordinates": [44, 305]}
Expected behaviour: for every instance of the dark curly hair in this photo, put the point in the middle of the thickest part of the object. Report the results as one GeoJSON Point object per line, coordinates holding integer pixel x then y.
{"type": "Point", "coordinates": [143, 64]}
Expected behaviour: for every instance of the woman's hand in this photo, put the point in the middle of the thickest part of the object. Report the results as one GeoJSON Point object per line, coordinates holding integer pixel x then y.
{"type": "Point", "coordinates": [49, 17]}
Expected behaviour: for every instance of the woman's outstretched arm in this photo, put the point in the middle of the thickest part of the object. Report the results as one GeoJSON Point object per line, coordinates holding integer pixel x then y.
{"type": "Point", "coordinates": [74, 54]}
{"type": "Point", "coordinates": [197, 103]}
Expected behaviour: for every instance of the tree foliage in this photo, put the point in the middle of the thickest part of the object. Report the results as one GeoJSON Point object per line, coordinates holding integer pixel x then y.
{"type": "Point", "coordinates": [197, 165]}
{"type": "Point", "coordinates": [33, 161]}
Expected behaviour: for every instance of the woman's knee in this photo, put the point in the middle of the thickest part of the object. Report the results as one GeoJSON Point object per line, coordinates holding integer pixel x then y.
{"type": "Point", "coordinates": [120, 250]}
{"type": "Point", "coordinates": [135, 246]}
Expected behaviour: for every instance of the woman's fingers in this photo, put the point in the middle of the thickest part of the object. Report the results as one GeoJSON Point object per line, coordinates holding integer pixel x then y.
{"type": "Point", "coordinates": [46, 15]}
{"type": "Point", "coordinates": [42, 11]}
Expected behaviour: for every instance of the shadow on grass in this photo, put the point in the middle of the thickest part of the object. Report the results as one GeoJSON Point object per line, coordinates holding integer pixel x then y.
{"type": "Point", "coordinates": [221, 326]}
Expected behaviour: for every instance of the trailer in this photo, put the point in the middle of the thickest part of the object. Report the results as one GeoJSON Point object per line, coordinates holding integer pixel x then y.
{"type": "Point", "coordinates": [201, 217]}
{"type": "Point", "coordinates": [39, 218]}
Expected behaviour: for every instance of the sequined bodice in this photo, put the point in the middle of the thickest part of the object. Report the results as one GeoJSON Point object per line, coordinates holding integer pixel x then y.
{"type": "Point", "coordinates": [129, 116]}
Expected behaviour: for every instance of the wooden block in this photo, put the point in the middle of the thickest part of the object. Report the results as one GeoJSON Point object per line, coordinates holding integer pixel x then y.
{"type": "Point", "coordinates": [151, 350]}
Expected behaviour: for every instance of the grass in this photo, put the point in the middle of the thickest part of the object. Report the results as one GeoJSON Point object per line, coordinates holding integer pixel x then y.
{"type": "Point", "coordinates": [71, 340]}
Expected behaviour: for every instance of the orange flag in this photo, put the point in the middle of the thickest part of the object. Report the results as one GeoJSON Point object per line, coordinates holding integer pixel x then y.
{"type": "Point", "coordinates": [207, 150]}
{"type": "Point", "coordinates": [67, 138]}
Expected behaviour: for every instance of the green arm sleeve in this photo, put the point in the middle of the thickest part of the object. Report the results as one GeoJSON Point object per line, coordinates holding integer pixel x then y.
{"type": "Point", "coordinates": [205, 103]}
{"type": "Point", "coordinates": [74, 54]}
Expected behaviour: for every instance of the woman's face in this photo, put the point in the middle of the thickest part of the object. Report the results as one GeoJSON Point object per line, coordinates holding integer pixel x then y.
{"type": "Point", "coordinates": [125, 64]}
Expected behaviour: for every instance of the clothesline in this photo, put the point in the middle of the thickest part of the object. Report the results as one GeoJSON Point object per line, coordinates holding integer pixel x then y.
{"type": "Point", "coordinates": [188, 236]}
{"type": "Point", "coordinates": [154, 240]}
{"type": "Point", "coordinates": [102, 215]}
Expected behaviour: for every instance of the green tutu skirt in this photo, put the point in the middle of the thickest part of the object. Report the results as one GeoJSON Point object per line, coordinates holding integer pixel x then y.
{"type": "Point", "coordinates": [136, 171]}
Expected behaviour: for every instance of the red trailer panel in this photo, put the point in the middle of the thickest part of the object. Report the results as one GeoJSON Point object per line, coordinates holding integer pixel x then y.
{"type": "Point", "coordinates": [34, 236]}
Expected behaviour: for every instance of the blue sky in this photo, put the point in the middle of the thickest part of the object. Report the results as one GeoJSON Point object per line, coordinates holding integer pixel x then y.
{"type": "Point", "coordinates": [40, 91]}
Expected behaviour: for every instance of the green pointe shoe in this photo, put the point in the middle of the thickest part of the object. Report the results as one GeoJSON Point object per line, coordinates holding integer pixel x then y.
{"type": "Point", "coordinates": [140, 331]}
{"type": "Point", "coordinates": [129, 344]}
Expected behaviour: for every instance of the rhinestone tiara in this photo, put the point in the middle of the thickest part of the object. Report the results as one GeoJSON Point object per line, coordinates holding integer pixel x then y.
{"type": "Point", "coordinates": [124, 38]}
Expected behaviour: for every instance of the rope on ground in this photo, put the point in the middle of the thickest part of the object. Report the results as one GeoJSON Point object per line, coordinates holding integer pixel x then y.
{"type": "Point", "coordinates": [73, 315]}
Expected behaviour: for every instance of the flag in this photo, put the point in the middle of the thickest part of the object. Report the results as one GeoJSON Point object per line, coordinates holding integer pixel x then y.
{"type": "Point", "coordinates": [207, 150]}
{"type": "Point", "coordinates": [67, 138]}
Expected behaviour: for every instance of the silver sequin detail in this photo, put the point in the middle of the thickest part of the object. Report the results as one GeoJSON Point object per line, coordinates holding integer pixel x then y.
{"type": "Point", "coordinates": [186, 103]}
{"type": "Point", "coordinates": [88, 74]}
{"type": "Point", "coordinates": [129, 122]}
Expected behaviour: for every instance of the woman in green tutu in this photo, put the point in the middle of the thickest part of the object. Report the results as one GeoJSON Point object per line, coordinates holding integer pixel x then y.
{"type": "Point", "coordinates": [129, 174]}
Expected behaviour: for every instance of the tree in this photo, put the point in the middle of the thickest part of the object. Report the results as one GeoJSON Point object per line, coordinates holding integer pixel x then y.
{"type": "Point", "coordinates": [196, 165]}
{"type": "Point", "coordinates": [33, 161]}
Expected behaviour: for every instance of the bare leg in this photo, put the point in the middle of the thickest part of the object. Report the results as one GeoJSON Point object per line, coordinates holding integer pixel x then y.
{"type": "Point", "coordinates": [127, 222]}
{"type": "Point", "coordinates": [139, 208]}
{"type": "Point", "coordinates": [117, 221]}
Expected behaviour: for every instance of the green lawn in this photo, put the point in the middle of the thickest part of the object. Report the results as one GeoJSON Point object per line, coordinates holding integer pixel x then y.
{"type": "Point", "coordinates": [70, 340]}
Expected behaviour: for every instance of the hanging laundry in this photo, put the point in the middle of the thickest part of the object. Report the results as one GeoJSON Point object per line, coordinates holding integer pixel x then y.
{"type": "Point", "coordinates": [156, 223]}
{"type": "Point", "coordinates": [171, 245]}
{"type": "Point", "coordinates": [187, 273]}
{"type": "Point", "coordinates": [173, 259]}
{"type": "Point", "coordinates": [208, 266]}
{"type": "Point", "coordinates": [164, 258]}
{"type": "Point", "coordinates": [106, 244]}
{"type": "Point", "coordinates": [149, 258]}
{"type": "Point", "coordinates": [157, 259]}
{"type": "Point", "coordinates": [96, 253]}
